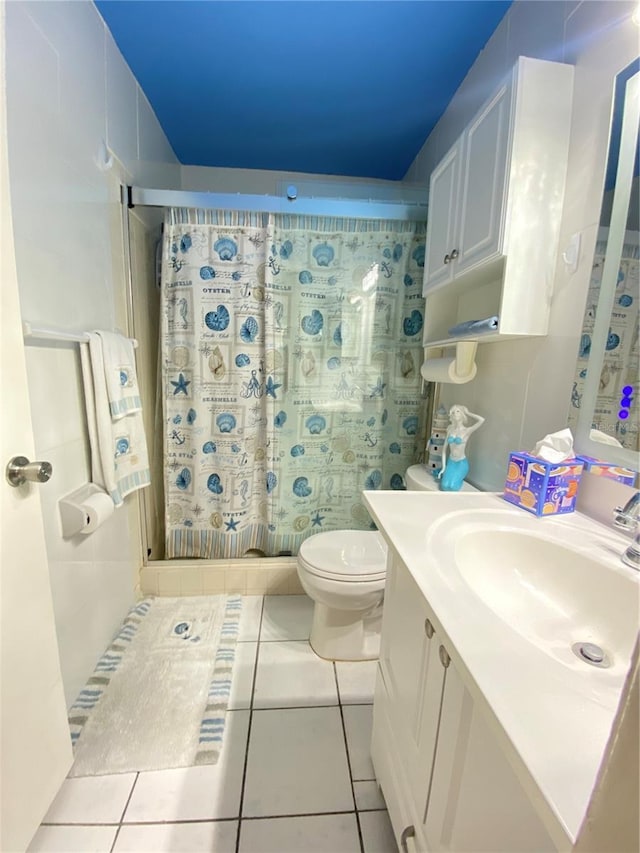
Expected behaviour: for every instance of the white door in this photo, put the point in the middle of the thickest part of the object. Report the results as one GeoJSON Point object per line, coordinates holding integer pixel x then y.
{"type": "Point", "coordinates": [483, 185]}
{"type": "Point", "coordinates": [442, 219]}
{"type": "Point", "coordinates": [35, 747]}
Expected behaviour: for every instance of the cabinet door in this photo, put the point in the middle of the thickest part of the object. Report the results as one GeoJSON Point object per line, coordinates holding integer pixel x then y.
{"type": "Point", "coordinates": [444, 187]}
{"type": "Point", "coordinates": [482, 200]}
{"type": "Point", "coordinates": [476, 801]}
{"type": "Point", "coordinates": [413, 676]}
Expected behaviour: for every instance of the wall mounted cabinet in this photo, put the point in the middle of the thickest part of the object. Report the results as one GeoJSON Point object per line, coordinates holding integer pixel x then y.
{"type": "Point", "coordinates": [444, 776]}
{"type": "Point", "coordinates": [495, 205]}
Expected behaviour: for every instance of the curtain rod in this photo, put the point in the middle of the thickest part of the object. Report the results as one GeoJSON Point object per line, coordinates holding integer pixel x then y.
{"type": "Point", "coordinates": [39, 333]}
{"type": "Point", "coordinates": [354, 209]}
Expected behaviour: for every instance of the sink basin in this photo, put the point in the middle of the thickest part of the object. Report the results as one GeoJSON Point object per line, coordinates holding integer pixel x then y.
{"type": "Point", "coordinates": [550, 593]}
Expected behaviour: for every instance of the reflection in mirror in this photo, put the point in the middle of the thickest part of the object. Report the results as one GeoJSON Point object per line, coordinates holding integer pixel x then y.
{"type": "Point", "coordinates": [604, 397]}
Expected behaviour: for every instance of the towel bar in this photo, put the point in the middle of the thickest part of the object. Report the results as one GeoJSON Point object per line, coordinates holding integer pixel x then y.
{"type": "Point", "coordinates": [38, 333]}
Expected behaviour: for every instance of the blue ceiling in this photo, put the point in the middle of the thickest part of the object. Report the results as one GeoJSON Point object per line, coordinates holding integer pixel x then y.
{"type": "Point", "coordinates": [345, 88]}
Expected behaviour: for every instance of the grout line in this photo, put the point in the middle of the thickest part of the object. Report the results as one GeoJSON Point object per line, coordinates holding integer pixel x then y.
{"type": "Point", "coordinates": [246, 752]}
{"type": "Point", "coordinates": [197, 820]}
{"type": "Point", "coordinates": [124, 811]}
{"type": "Point", "coordinates": [346, 749]}
{"type": "Point", "coordinates": [294, 707]}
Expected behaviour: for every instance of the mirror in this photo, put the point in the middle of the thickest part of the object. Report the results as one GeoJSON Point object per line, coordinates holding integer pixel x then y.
{"type": "Point", "coordinates": [604, 398]}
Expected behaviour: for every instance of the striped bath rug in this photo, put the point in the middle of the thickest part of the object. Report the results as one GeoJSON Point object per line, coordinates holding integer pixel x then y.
{"type": "Point", "coordinates": [158, 696]}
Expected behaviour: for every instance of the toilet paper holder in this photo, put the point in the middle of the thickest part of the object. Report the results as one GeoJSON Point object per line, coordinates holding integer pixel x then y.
{"type": "Point", "coordinates": [76, 508]}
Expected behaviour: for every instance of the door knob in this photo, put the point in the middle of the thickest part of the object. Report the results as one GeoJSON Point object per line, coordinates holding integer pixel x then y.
{"type": "Point", "coordinates": [447, 258]}
{"type": "Point", "coordinates": [19, 470]}
{"type": "Point", "coordinates": [454, 254]}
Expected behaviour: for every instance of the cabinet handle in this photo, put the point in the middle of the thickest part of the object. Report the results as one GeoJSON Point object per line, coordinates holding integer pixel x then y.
{"type": "Point", "coordinates": [428, 628]}
{"type": "Point", "coordinates": [445, 660]}
{"type": "Point", "coordinates": [447, 258]}
{"type": "Point", "coordinates": [408, 834]}
{"type": "Point", "coordinates": [454, 254]}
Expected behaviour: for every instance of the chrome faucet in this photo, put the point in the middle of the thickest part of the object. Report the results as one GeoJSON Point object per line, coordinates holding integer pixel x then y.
{"type": "Point", "coordinates": [627, 518]}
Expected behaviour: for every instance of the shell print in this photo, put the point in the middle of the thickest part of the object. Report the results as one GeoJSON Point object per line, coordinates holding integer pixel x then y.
{"type": "Point", "coordinates": [613, 340]}
{"type": "Point", "coordinates": [408, 281]}
{"type": "Point", "coordinates": [207, 273]}
{"type": "Point", "coordinates": [412, 324]}
{"type": "Point", "coordinates": [407, 365]}
{"type": "Point", "coordinates": [249, 330]}
{"type": "Point", "coordinates": [397, 252]}
{"type": "Point", "coordinates": [185, 243]}
{"type": "Point", "coordinates": [397, 483]}
{"type": "Point", "coordinates": [297, 450]}
{"type": "Point", "coordinates": [242, 360]}
{"type": "Point", "coordinates": [226, 248]}
{"type": "Point", "coordinates": [286, 249]}
{"type": "Point", "coordinates": [305, 277]}
{"type": "Point", "coordinates": [625, 300]}
{"type": "Point", "coordinates": [216, 364]}
{"type": "Point", "coordinates": [191, 416]}
{"type": "Point", "coordinates": [301, 487]}
{"type": "Point", "coordinates": [315, 424]}
{"type": "Point", "coordinates": [308, 364]}
{"type": "Point", "coordinates": [280, 419]}
{"type": "Point", "coordinates": [334, 362]}
{"type": "Point", "coordinates": [226, 422]}
{"type": "Point", "coordinates": [312, 323]}
{"type": "Point", "coordinates": [217, 320]}
{"type": "Point", "coordinates": [214, 485]}
{"type": "Point", "coordinates": [324, 254]}
{"type": "Point", "coordinates": [374, 480]}
{"type": "Point", "coordinates": [272, 482]}
{"type": "Point", "coordinates": [183, 480]}
{"type": "Point", "coordinates": [209, 447]}
{"type": "Point", "coordinates": [418, 255]}
{"type": "Point", "coordinates": [394, 447]}
{"type": "Point", "coordinates": [180, 356]}
{"type": "Point", "coordinates": [301, 523]}
{"type": "Point", "coordinates": [410, 425]}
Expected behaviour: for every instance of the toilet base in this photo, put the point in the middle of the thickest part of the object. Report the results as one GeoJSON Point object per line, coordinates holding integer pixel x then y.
{"type": "Point", "coordinates": [346, 634]}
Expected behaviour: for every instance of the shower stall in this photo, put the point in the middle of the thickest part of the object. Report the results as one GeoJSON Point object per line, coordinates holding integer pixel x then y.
{"type": "Point", "coordinates": [281, 345]}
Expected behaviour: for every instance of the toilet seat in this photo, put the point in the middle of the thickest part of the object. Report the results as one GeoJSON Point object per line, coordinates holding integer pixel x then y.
{"type": "Point", "coordinates": [347, 556]}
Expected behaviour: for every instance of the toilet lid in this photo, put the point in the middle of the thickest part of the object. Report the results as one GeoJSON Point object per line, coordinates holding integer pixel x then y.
{"type": "Point", "coordinates": [347, 555]}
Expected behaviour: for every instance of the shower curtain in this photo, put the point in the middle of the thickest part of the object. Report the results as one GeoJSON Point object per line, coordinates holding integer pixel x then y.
{"type": "Point", "coordinates": [291, 350]}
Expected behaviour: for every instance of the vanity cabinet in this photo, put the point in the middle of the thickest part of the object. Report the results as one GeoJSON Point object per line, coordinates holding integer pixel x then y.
{"type": "Point", "coordinates": [495, 203]}
{"type": "Point", "coordinates": [446, 782]}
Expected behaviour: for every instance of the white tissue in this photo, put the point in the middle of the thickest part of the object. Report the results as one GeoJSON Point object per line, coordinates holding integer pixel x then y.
{"type": "Point", "coordinates": [555, 447]}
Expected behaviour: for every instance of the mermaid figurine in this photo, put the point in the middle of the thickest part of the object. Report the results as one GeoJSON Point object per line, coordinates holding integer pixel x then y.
{"type": "Point", "coordinates": [456, 467]}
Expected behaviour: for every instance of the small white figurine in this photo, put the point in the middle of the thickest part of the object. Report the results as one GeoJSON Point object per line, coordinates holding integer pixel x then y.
{"type": "Point", "coordinates": [456, 468]}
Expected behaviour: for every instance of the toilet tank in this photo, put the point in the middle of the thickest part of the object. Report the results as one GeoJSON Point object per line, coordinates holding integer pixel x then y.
{"type": "Point", "coordinates": [419, 478]}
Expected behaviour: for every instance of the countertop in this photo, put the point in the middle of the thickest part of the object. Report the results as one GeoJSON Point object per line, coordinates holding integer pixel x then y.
{"type": "Point", "coordinates": [556, 714]}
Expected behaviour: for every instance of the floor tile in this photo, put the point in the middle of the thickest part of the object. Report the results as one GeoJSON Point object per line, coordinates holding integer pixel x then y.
{"type": "Point", "coordinates": [377, 833]}
{"type": "Point", "coordinates": [242, 676]}
{"type": "Point", "coordinates": [297, 763]}
{"type": "Point", "coordinates": [286, 617]}
{"type": "Point", "coordinates": [315, 834]}
{"type": "Point", "coordinates": [91, 799]}
{"type": "Point", "coordinates": [249, 628]}
{"type": "Point", "coordinates": [368, 796]}
{"type": "Point", "coordinates": [356, 681]}
{"type": "Point", "coordinates": [290, 674]}
{"type": "Point", "coordinates": [358, 721]}
{"type": "Point", "coordinates": [73, 839]}
{"type": "Point", "coordinates": [178, 838]}
{"type": "Point", "coordinates": [195, 793]}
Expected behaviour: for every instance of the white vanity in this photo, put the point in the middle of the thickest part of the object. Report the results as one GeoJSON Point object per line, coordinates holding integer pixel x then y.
{"type": "Point", "coordinates": [489, 727]}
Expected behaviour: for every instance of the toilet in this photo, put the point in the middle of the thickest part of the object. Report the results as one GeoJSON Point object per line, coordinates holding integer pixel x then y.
{"type": "Point", "coordinates": [344, 572]}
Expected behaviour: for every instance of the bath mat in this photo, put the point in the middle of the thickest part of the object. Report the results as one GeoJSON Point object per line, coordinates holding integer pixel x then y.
{"type": "Point", "coordinates": [158, 696]}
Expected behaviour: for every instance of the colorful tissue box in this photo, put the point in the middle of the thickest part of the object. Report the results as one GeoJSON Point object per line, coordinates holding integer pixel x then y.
{"type": "Point", "coordinates": [541, 487]}
{"type": "Point", "coordinates": [604, 469]}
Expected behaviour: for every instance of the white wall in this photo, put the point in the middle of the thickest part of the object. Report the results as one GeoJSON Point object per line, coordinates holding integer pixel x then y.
{"type": "Point", "coordinates": [523, 387]}
{"type": "Point", "coordinates": [68, 90]}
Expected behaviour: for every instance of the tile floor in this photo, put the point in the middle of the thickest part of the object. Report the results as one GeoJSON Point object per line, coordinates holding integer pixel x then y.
{"type": "Point", "coordinates": [294, 775]}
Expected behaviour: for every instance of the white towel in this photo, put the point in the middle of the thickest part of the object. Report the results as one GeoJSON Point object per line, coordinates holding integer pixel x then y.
{"type": "Point", "coordinates": [119, 460]}
{"type": "Point", "coordinates": [120, 374]}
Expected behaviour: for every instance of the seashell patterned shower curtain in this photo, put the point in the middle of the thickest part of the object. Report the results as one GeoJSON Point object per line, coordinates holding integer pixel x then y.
{"type": "Point", "coordinates": [291, 352]}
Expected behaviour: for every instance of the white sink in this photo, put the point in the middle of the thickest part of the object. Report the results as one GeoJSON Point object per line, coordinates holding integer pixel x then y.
{"type": "Point", "coordinates": [547, 591]}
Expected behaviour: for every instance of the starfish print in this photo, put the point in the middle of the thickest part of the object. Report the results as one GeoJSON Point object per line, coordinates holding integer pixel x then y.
{"type": "Point", "coordinates": [232, 524]}
{"type": "Point", "coordinates": [317, 520]}
{"type": "Point", "coordinates": [271, 387]}
{"type": "Point", "coordinates": [181, 385]}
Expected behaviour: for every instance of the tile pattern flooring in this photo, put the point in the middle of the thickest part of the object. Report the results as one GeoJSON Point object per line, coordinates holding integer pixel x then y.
{"type": "Point", "coordinates": [294, 775]}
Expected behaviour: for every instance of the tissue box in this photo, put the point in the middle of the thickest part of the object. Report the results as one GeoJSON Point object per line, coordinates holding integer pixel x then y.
{"type": "Point", "coordinates": [604, 469]}
{"type": "Point", "coordinates": [541, 487]}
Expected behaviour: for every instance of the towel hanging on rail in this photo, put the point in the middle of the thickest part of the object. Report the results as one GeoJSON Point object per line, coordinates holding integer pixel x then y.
{"type": "Point", "coordinates": [119, 459]}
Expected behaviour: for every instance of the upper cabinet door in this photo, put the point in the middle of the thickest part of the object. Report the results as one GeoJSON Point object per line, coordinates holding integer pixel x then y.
{"type": "Point", "coordinates": [483, 193]}
{"type": "Point", "coordinates": [444, 187]}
